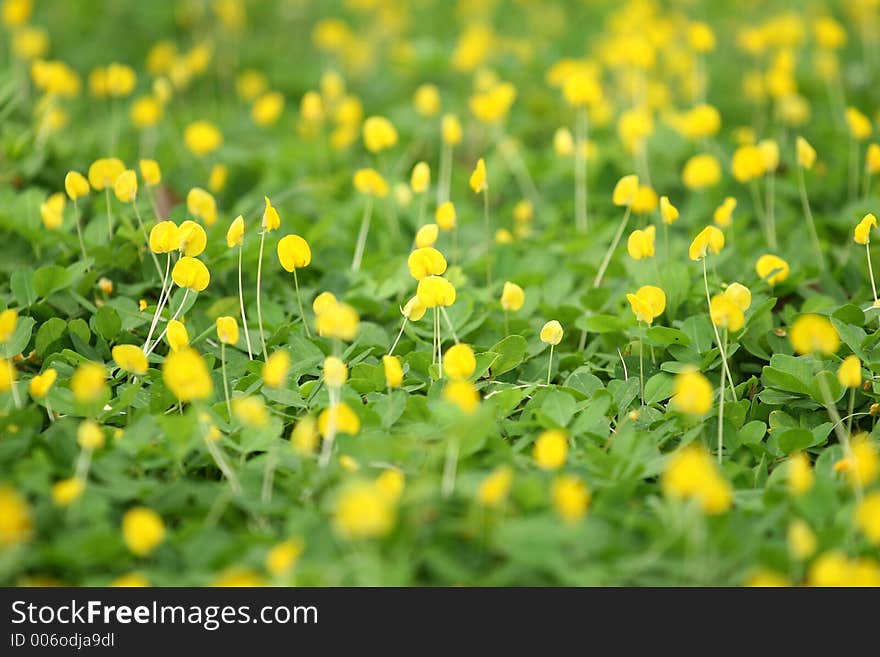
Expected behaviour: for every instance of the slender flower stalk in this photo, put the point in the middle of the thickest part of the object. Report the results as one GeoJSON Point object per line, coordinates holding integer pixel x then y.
{"type": "Point", "coordinates": [225, 378]}
{"type": "Point", "coordinates": [871, 270]}
{"type": "Point", "coordinates": [721, 403]}
{"type": "Point", "coordinates": [175, 316]}
{"type": "Point", "coordinates": [808, 213]}
{"type": "Point", "coordinates": [244, 323]}
{"type": "Point", "coordinates": [721, 346]}
{"type": "Point", "coordinates": [109, 214]}
{"type": "Point", "coordinates": [137, 214]}
{"type": "Point", "coordinates": [259, 302]}
{"type": "Point", "coordinates": [302, 313]}
{"type": "Point", "coordinates": [362, 235]}
{"type": "Point", "coordinates": [397, 339]}
{"type": "Point", "coordinates": [610, 252]}
{"type": "Point", "coordinates": [79, 233]}
{"type": "Point", "coordinates": [164, 294]}
{"type": "Point", "coordinates": [488, 239]}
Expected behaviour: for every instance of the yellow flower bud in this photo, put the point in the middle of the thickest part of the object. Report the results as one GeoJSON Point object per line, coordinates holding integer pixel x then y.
{"type": "Point", "coordinates": [571, 497]}
{"type": "Point", "coordinates": [88, 382]}
{"type": "Point", "coordinates": [625, 190]}
{"type": "Point", "coordinates": [647, 303]}
{"type": "Point", "coordinates": [76, 185]}
{"type": "Point", "coordinates": [814, 334]}
{"type": "Point", "coordinates": [142, 530]}
{"type": "Point", "coordinates": [379, 134]}
{"type": "Point", "coordinates": [235, 234]}
{"type": "Point", "coordinates": [90, 435]}
{"type": "Point", "coordinates": [850, 373]}
{"type": "Point", "coordinates": [41, 384]}
{"type": "Point", "coordinates": [772, 269]}
{"type": "Point", "coordinates": [709, 240]}
{"type": "Point", "coordinates": [551, 333]}
{"type": "Point", "coordinates": [426, 100]}
{"type": "Point", "coordinates": [426, 261]}
{"type": "Point", "coordinates": [640, 243]}
{"type": "Point", "coordinates": [862, 231]}
{"type": "Point", "coordinates": [701, 172]}
{"type": "Point", "coordinates": [227, 330]}
{"type": "Point", "coordinates": [478, 180]}
{"type": "Point", "coordinates": [346, 420]}
{"type": "Point", "coordinates": [692, 393]}
{"type": "Point", "coordinates": [294, 252]}
{"type": "Point", "coordinates": [450, 129]}
{"type": "Point", "coordinates": [725, 313]}
{"type": "Point", "coordinates": [104, 172]}
{"type": "Point", "coordinates": [434, 291]}
{"type": "Point", "coordinates": [191, 273]}
{"type": "Point", "coordinates": [202, 205]}
{"type": "Point", "coordinates": [420, 180]}
{"type": "Point", "coordinates": [512, 296]}
{"type": "Point", "coordinates": [806, 154]}
{"type": "Point", "coordinates": [494, 488]}
{"type": "Point", "coordinates": [150, 172]}
{"type": "Point", "coordinates": [67, 491]}
{"type": "Point", "coordinates": [414, 309]}
{"type": "Point", "coordinates": [724, 213]}
{"type": "Point", "coordinates": [267, 109]}
{"type": "Point", "coordinates": [202, 137]}
{"type": "Point", "coordinates": [427, 235]}
{"type": "Point", "coordinates": [551, 450]}
{"type": "Point", "coordinates": [370, 182]}
{"type": "Point", "coordinates": [393, 371]}
{"type": "Point", "coordinates": [445, 216]}
{"type": "Point", "coordinates": [186, 375]}
{"type": "Point", "coordinates": [8, 322]}
{"type": "Point", "coordinates": [130, 358]}
{"type": "Point", "coordinates": [338, 320]}
{"type": "Point", "coordinates": [164, 237]}
{"type": "Point", "coordinates": [335, 372]}
{"type": "Point", "coordinates": [176, 335]}
{"type": "Point", "coordinates": [459, 362]}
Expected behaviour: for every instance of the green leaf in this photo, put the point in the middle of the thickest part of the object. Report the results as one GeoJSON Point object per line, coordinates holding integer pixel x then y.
{"type": "Point", "coordinates": [107, 323]}
{"type": "Point", "coordinates": [20, 338]}
{"type": "Point", "coordinates": [50, 279]}
{"type": "Point", "coordinates": [795, 440]}
{"type": "Point", "coordinates": [49, 332]}
{"type": "Point", "coordinates": [511, 351]}
{"type": "Point", "coordinates": [663, 336]}
{"type": "Point", "coordinates": [658, 388]}
{"type": "Point", "coordinates": [605, 324]}
{"type": "Point", "coordinates": [559, 407]}
{"type": "Point", "coordinates": [22, 284]}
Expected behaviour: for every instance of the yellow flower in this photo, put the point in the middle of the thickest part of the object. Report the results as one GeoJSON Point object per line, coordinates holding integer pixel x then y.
{"type": "Point", "coordinates": [150, 172]}
{"type": "Point", "coordinates": [338, 320]}
{"type": "Point", "coordinates": [701, 172]}
{"type": "Point", "coordinates": [434, 291]}
{"type": "Point", "coordinates": [30, 43]}
{"type": "Point", "coordinates": [872, 158]}
{"type": "Point", "coordinates": [645, 200]}
{"type": "Point", "coordinates": [393, 371]}
{"type": "Point", "coordinates": [235, 234]}
{"type": "Point", "coordinates": [104, 172]}
{"type": "Point", "coordinates": [724, 212]}
{"type": "Point", "coordinates": [142, 530]}
{"type": "Point", "coordinates": [463, 394]}
{"type": "Point", "coordinates": [495, 487]}
{"type": "Point", "coordinates": [15, 517]}
{"type": "Point", "coordinates": [801, 540]}
{"type": "Point", "coordinates": [551, 450]}
{"type": "Point", "coordinates": [445, 216]}
{"type": "Point", "coordinates": [551, 333]}
{"type": "Point", "coordinates": [647, 303]}
{"type": "Point", "coordinates": [701, 38]}
{"type": "Point", "coordinates": [772, 269]}
{"type": "Point", "coordinates": [52, 210]}
{"type": "Point", "coordinates": [563, 142]}
{"type": "Point", "coordinates": [379, 134]}
{"type": "Point", "coordinates": [323, 301]}
{"type": "Point", "coordinates": [8, 322]}
{"type": "Point", "coordinates": [625, 190]}
{"type": "Point", "coordinates": [191, 273]}
{"type": "Point", "coordinates": [8, 375]}
{"type": "Point", "coordinates": [390, 483]}
{"type": "Point", "coordinates": [767, 578]}
{"type": "Point", "coordinates": [120, 80]}
{"type": "Point", "coordinates": [370, 182]}
{"type": "Point", "coordinates": [294, 252]}
{"type": "Point", "coordinates": [414, 310]}
{"type": "Point", "coordinates": [740, 295]}
{"type": "Point", "coordinates": [276, 368]}
{"type": "Point", "coordinates": [186, 375]}
{"type": "Point", "coordinates": [769, 150]}
{"type": "Point", "coordinates": [131, 580]}
{"type": "Point", "coordinates": [202, 205]}
{"type": "Point", "coordinates": [304, 436]}
{"type": "Point", "coordinates": [335, 372]}
{"type": "Point", "coordinates": [130, 358]}
{"type": "Point", "coordinates": [16, 12]}
{"type": "Point", "coordinates": [863, 466]}
{"type": "Point", "coordinates": [281, 559]}
{"type": "Point", "coordinates": [479, 180]}
{"type": "Point", "coordinates": [859, 125]}
{"type": "Point", "coordinates": [814, 334]}
{"type": "Point", "coordinates": [806, 154]}
{"type": "Point", "coordinates": [426, 100]}
{"type": "Point", "coordinates": [829, 33]}
{"type": "Point", "coordinates": [571, 497]}
{"type": "Point", "coordinates": [692, 393]}
{"type": "Point", "coordinates": [698, 123]}
{"type": "Point", "coordinates": [862, 231]}
{"type": "Point", "coordinates": [41, 383]}
{"type": "Point", "coordinates": [177, 336]}
{"type": "Point", "coordinates": [420, 180]}
{"type": "Point", "coordinates": [227, 330]}
{"type": "Point", "coordinates": [76, 185]}
{"type": "Point", "coordinates": [268, 108]}
{"type": "Point", "coordinates": [668, 212]}
{"type": "Point", "coordinates": [459, 362]}
{"type": "Point", "coordinates": [512, 296]}
{"type": "Point", "coordinates": [67, 491]}
{"type": "Point", "coordinates": [271, 219]}
{"type": "Point", "coordinates": [164, 237]}
{"type": "Point", "coordinates": [90, 435]}
{"type": "Point", "coordinates": [427, 235]}
{"type": "Point", "coordinates": [348, 463]}
{"type": "Point", "coordinates": [692, 474]}
{"type": "Point", "coordinates": [709, 240]}
{"type": "Point", "coordinates": [450, 130]}
{"type": "Point", "coordinates": [363, 510]}
{"type": "Point", "coordinates": [493, 103]}
{"type": "Point", "coordinates": [748, 163]}
{"type": "Point", "coordinates": [581, 89]}
{"type": "Point", "coordinates": [250, 411]}
{"type": "Point", "coordinates": [146, 111]}
{"type": "Point", "coordinates": [202, 137]}
{"type": "Point", "coordinates": [347, 420]}
{"type": "Point", "coordinates": [868, 517]}
{"type": "Point", "coordinates": [426, 261]}
{"type": "Point", "coordinates": [640, 243]}
{"type": "Point", "coordinates": [800, 474]}
{"type": "Point", "coordinates": [850, 372]}
{"type": "Point", "coordinates": [88, 382]}
{"type": "Point", "coordinates": [217, 177]}
{"type": "Point", "coordinates": [725, 313]}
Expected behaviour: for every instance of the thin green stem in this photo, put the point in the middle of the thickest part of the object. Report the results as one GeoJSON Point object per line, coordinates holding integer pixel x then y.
{"type": "Point", "coordinates": [397, 339]}
{"type": "Point", "coordinates": [842, 436]}
{"type": "Point", "coordinates": [610, 252]}
{"type": "Point", "coordinates": [79, 232]}
{"type": "Point", "coordinates": [811, 224]}
{"type": "Point", "coordinates": [259, 302]}
{"type": "Point", "coordinates": [302, 313]}
{"type": "Point", "coordinates": [721, 348]}
{"type": "Point", "coordinates": [450, 467]}
{"type": "Point", "coordinates": [871, 271]}
{"type": "Point", "coordinates": [176, 315]}
{"type": "Point", "coordinates": [163, 298]}
{"type": "Point", "coordinates": [362, 235]}
{"type": "Point", "coordinates": [721, 406]}
{"type": "Point", "coordinates": [244, 323]}
{"type": "Point", "coordinates": [109, 215]}
{"type": "Point", "coordinates": [137, 214]}
{"type": "Point", "coordinates": [580, 171]}
{"type": "Point", "coordinates": [488, 238]}
{"type": "Point", "coordinates": [225, 379]}
{"type": "Point", "coordinates": [550, 364]}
